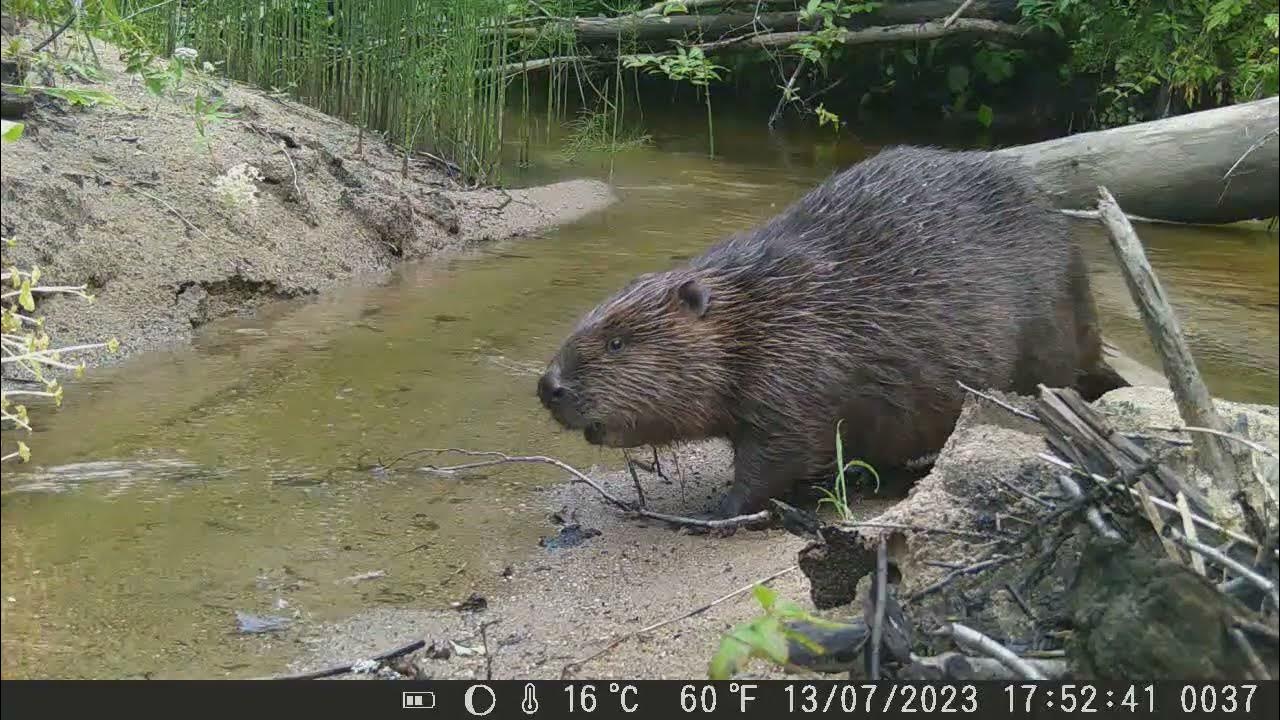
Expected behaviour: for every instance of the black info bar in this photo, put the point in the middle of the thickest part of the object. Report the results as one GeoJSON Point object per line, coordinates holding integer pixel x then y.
{"type": "Point", "coordinates": [509, 699]}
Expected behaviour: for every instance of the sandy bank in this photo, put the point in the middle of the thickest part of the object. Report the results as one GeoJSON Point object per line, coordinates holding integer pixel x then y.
{"type": "Point", "coordinates": [122, 197]}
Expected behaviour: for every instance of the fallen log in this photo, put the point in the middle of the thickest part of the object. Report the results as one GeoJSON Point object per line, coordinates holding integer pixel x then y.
{"type": "Point", "coordinates": [650, 28]}
{"type": "Point", "coordinates": [1208, 167]}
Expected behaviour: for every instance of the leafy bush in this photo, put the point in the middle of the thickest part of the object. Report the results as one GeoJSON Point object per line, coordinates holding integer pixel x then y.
{"type": "Point", "coordinates": [1149, 54]}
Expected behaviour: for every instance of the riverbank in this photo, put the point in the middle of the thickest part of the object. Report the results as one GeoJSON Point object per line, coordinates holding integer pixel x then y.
{"type": "Point", "coordinates": [123, 196]}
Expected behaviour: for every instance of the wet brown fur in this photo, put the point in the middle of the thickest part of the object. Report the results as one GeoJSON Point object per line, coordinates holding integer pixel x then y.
{"type": "Point", "coordinates": [866, 300]}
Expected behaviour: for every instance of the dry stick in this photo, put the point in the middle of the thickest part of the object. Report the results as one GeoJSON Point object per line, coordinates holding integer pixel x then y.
{"type": "Point", "coordinates": [1233, 565]}
{"type": "Point", "coordinates": [344, 669]}
{"type": "Point", "coordinates": [877, 617]}
{"type": "Point", "coordinates": [987, 669]}
{"type": "Point", "coordinates": [1189, 530]}
{"type": "Point", "coordinates": [1255, 663]}
{"type": "Point", "coordinates": [577, 664]}
{"type": "Point", "coordinates": [957, 574]}
{"type": "Point", "coordinates": [955, 15]}
{"type": "Point", "coordinates": [1091, 513]}
{"type": "Point", "coordinates": [631, 468]}
{"type": "Point", "coordinates": [972, 638]}
{"type": "Point", "coordinates": [786, 90]}
{"type": "Point", "coordinates": [503, 458]}
{"type": "Point", "coordinates": [70, 19]}
{"type": "Point", "coordinates": [1261, 141]}
{"type": "Point", "coordinates": [1017, 598]}
{"type": "Point", "coordinates": [1195, 404]}
{"type": "Point", "coordinates": [488, 656]}
{"type": "Point", "coordinates": [170, 208]}
{"type": "Point", "coordinates": [927, 529]}
{"type": "Point", "coordinates": [1001, 403]}
{"type": "Point", "coordinates": [1243, 441]}
{"type": "Point", "coordinates": [1199, 520]}
{"type": "Point", "coordinates": [1256, 628]}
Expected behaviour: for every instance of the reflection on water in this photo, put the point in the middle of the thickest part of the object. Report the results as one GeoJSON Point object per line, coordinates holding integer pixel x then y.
{"type": "Point", "coordinates": [235, 476]}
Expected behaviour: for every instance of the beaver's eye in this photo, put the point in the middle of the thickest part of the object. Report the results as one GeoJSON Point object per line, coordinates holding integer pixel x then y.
{"type": "Point", "coordinates": [615, 344]}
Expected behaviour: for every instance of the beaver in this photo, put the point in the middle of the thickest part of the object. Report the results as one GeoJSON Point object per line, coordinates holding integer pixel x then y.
{"type": "Point", "coordinates": [865, 301]}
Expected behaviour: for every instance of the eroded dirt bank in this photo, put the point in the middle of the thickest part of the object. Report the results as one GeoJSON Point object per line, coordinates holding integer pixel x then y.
{"type": "Point", "coordinates": [122, 197]}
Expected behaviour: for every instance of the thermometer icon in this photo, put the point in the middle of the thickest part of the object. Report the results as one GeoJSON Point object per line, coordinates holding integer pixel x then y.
{"type": "Point", "coordinates": [530, 702]}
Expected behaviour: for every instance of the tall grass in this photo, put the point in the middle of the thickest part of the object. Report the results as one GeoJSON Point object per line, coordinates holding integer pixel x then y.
{"type": "Point", "coordinates": [419, 71]}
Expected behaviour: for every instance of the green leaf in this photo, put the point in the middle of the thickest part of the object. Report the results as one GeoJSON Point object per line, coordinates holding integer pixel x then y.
{"type": "Point", "coordinates": [12, 130]}
{"type": "Point", "coordinates": [25, 299]}
{"type": "Point", "coordinates": [765, 596]}
{"type": "Point", "coordinates": [985, 116]}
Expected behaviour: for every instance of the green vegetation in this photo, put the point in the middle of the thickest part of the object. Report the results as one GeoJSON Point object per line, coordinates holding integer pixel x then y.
{"type": "Point", "coordinates": [27, 353]}
{"type": "Point", "coordinates": [444, 76]}
{"type": "Point", "coordinates": [775, 636]}
{"type": "Point", "coordinates": [839, 497]}
{"type": "Point", "coordinates": [1154, 57]}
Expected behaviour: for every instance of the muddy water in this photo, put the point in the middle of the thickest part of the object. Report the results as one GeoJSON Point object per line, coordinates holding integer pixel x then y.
{"type": "Point", "coordinates": [183, 487]}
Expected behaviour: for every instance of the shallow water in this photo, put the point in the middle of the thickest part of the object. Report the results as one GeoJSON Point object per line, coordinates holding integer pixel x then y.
{"type": "Point", "coordinates": [172, 492]}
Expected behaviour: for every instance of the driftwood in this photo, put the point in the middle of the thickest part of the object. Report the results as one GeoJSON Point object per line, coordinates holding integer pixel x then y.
{"type": "Point", "coordinates": [1213, 166]}
{"type": "Point", "coordinates": [1195, 404]}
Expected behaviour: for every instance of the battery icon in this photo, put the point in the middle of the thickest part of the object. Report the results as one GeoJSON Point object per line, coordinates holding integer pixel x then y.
{"type": "Point", "coordinates": [417, 700]}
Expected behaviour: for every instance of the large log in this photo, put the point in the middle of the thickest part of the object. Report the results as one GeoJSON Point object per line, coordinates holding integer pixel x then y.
{"type": "Point", "coordinates": [658, 28]}
{"type": "Point", "coordinates": [1213, 166]}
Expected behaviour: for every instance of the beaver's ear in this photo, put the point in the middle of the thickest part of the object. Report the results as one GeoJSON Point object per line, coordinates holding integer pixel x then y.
{"type": "Point", "coordinates": [694, 297]}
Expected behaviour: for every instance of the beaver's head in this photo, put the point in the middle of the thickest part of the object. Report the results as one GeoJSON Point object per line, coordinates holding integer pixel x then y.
{"type": "Point", "coordinates": [645, 367]}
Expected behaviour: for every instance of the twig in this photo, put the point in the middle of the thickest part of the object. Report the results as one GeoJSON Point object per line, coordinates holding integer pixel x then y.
{"type": "Point", "coordinates": [488, 656]}
{"type": "Point", "coordinates": [959, 11]}
{"type": "Point", "coordinates": [985, 668]}
{"type": "Point", "coordinates": [1189, 530]}
{"type": "Point", "coordinates": [1239, 568]}
{"type": "Point", "coordinates": [171, 209]}
{"type": "Point", "coordinates": [1256, 628]}
{"type": "Point", "coordinates": [1016, 411]}
{"type": "Point", "coordinates": [1255, 663]}
{"type": "Point", "coordinates": [786, 90]}
{"type": "Point", "coordinates": [957, 574]}
{"type": "Point", "coordinates": [877, 617]}
{"type": "Point", "coordinates": [1017, 598]}
{"type": "Point", "coordinates": [344, 669]}
{"type": "Point", "coordinates": [972, 638]}
{"type": "Point", "coordinates": [1091, 513]}
{"type": "Point", "coordinates": [1161, 502]}
{"type": "Point", "coordinates": [631, 468]}
{"type": "Point", "coordinates": [1014, 488]}
{"type": "Point", "coordinates": [75, 12]}
{"type": "Point", "coordinates": [1260, 142]}
{"type": "Point", "coordinates": [576, 665]}
{"type": "Point", "coordinates": [926, 529]}
{"type": "Point", "coordinates": [503, 458]}
{"type": "Point", "coordinates": [1221, 433]}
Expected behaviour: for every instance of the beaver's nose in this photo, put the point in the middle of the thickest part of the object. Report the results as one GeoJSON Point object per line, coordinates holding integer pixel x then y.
{"type": "Point", "coordinates": [550, 391]}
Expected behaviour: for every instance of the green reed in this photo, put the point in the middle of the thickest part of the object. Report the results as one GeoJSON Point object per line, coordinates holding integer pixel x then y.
{"type": "Point", "coordinates": [421, 72]}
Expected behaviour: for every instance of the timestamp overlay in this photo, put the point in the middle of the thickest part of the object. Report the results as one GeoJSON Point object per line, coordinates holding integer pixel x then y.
{"type": "Point", "coordinates": [666, 699]}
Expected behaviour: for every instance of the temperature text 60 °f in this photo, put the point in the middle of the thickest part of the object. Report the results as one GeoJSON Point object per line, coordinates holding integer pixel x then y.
{"type": "Point", "coordinates": [705, 698]}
